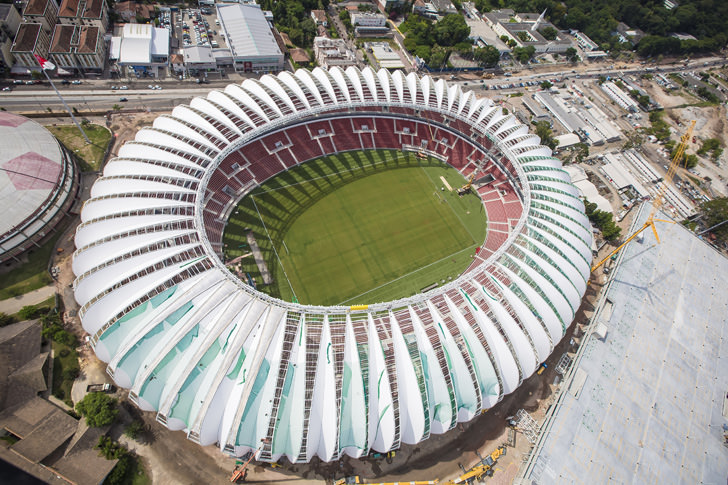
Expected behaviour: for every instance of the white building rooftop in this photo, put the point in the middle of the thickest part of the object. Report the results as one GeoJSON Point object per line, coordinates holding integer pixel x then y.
{"type": "Point", "coordinates": [247, 31]}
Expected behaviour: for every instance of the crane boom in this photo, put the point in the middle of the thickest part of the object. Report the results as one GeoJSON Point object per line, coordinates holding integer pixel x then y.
{"type": "Point", "coordinates": [660, 197]}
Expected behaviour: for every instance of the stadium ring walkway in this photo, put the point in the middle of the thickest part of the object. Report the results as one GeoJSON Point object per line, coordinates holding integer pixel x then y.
{"type": "Point", "coordinates": [232, 366]}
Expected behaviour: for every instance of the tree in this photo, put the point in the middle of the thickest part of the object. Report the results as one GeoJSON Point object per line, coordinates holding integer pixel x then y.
{"type": "Point", "coordinates": [543, 130]}
{"type": "Point", "coordinates": [711, 145]}
{"type": "Point", "coordinates": [524, 54]}
{"type": "Point", "coordinates": [487, 56]}
{"type": "Point", "coordinates": [451, 29]}
{"type": "Point", "coordinates": [28, 312]}
{"type": "Point", "coordinates": [135, 429]}
{"type": "Point", "coordinates": [98, 408]}
{"type": "Point", "coordinates": [602, 220]}
{"type": "Point", "coordinates": [549, 33]}
{"type": "Point", "coordinates": [714, 212]}
{"type": "Point", "coordinates": [571, 54]}
{"type": "Point", "coordinates": [546, 84]}
{"type": "Point", "coordinates": [6, 319]}
{"type": "Point", "coordinates": [523, 36]}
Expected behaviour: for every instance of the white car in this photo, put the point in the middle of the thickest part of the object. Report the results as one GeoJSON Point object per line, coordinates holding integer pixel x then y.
{"type": "Point", "coordinates": [150, 86]}
{"type": "Point", "coordinates": [124, 88]}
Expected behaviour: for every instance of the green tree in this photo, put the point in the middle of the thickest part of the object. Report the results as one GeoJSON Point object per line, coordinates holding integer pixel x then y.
{"type": "Point", "coordinates": [451, 29]}
{"type": "Point", "coordinates": [487, 56]}
{"type": "Point", "coordinates": [543, 130]}
{"type": "Point", "coordinates": [523, 36]}
{"type": "Point", "coordinates": [713, 146]}
{"type": "Point", "coordinates": [98, 408]}
{"type": "Point", "coordinates": [571, 54]}
{"type": "Point", "coordinates": [524, 54]}
{"type": "Point", "coordinates": [28, 312]}
{"type": "Point", "coordinates": [714, 212]}
{"type": "Point", "coordinates": [549, 33]}
{"type": "Point", "coordinates": [135, 429]}
{"type": "Point", "coordinates": [546, 84]}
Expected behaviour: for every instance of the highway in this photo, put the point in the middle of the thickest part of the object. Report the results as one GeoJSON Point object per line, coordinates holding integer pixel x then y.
{"type": "Point", "coordinates": [98, 95]}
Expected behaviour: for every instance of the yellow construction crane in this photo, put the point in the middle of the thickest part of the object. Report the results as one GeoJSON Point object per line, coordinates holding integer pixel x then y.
{"type": "Point", "coordinates": [466, 188]}
{"type": "Point", "coordinates": [660, 197]}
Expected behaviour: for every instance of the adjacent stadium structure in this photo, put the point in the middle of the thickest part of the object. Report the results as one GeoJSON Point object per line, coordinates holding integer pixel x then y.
{"type": "Point", "coordinates": [233, 366]}
{"type": "Point", "coordinates": [38, 184]}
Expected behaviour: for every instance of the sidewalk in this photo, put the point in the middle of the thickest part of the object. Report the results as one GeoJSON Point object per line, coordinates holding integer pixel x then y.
{"type": "Point", "coordinates": [13, 305]}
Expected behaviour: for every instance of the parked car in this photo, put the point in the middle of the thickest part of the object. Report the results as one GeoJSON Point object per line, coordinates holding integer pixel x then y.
{"type": "Point", "coordinates": [75, 81]}
{"type": "Point", "coordinates": [6, 88]}
{"type": "Point", "coordinates": [114, 88]}
{"type": "Point", "coordinates": [124, 88]}
{"type": "Point", "coordinates": [123, 100]}
{"type": "Point", "coordinates": [65, 82]}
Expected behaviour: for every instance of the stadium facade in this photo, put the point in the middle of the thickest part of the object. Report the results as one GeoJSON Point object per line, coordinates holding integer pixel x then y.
{"type": "Point", "coordinates": [232, 366]}
{"type": "Point", "coordinates": [38, 184]}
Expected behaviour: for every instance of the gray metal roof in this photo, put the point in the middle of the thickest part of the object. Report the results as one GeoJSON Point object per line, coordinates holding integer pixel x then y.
{"type": "Point", "coordinates": [650, 407]}
{"type": "Point", "coordinates": [247, 31]}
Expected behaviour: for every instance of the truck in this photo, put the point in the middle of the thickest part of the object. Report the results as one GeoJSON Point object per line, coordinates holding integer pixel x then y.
{"type": "Point", "coordinates": [100, 388]}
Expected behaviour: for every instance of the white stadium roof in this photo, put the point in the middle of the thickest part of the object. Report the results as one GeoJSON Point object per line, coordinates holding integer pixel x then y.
{"type": "Point", "coordinates": [233, 366]}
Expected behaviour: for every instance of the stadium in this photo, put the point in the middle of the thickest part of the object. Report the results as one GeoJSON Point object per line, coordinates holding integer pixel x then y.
{"type": "Point", "coordinates": [38, 184]}
{"type": "Point", "coordinates": [235, 367]}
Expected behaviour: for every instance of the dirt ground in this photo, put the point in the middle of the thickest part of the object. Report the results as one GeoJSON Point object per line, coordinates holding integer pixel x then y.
{"type": "Point", "coordinates": [711, 122]}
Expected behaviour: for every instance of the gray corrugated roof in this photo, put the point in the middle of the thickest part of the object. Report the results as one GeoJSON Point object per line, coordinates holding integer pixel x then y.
{"type": "Point", "coordinates": [650, 409]}
{"type": "Point", "coordinates": [247, 31]}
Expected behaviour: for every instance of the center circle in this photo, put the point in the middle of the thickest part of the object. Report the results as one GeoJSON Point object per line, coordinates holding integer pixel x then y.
{"type": "Point", "coordinates": [355, 227]}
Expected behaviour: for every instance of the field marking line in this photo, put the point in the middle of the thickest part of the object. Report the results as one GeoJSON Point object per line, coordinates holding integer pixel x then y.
{"type": "Point", "coordinates": [252, 197]}
{"type": "Point", "coordinates": [410, 273]}
{"type": "Point", "coordinates": [391, 159]}
{"type": "Point", "coordinates": [475, 241]}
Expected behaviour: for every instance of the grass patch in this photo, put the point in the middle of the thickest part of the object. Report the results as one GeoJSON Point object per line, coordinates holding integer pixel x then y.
{"type": "Point", "coordinates": [138, 473]}
{"type": "Point", "coordinates": [65, 364]}
{"type": "Point", "coordinates": [91, 155]}
{"type": "Point", "coordinates": [358, 227]}
{"type": "Point", "coordinates": [33, 274]}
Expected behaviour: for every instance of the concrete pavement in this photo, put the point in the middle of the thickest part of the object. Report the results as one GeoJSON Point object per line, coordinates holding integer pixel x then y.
{"type": "Point", "coordinates": [13, 305]}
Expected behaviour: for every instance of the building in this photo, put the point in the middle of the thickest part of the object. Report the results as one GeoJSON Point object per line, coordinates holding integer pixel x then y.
{"type": "Point", "coordinates": [385, 56]}
{"type": "Point", "coordinates": [230, 365]}
{"type": "Point", "coordinates": [50, 444]}
{"type": "Point", "coordinates": [44, 12]}
{"type": "Point", "coordinates": [38, 184]}
{"type": "Point", "coordinates": [624, 100]}
{"type": "Point", "coordinates": [643, 400]}
{"type": "Point", "coordinates": [248, 34]}
{"type": "Point", "coordinates": [433, 9]}
{"type": "Point", "coordinates": [319, 16]}
{"type": "Point", "coordinates": [142, 49]}
{"type": "Point", "coordinates": [368, 19]}
{"type": "Point", "coordinates": [85, 13]}
{"type": "Point", "coordinates": [77, 48]}
{"type": "Point", "coordinates": [524, 29]}
{"type": "Point", "coordinates": [31, 39]}
{"type": "Point", "coordinates": [198, 58]}
{"type": "Point", "coordinates": [300, 56]}
{"type": "Point", "coordinates": [585, 42]}
{"type": "Point", "coordinates": [130, 10]}
{"type": "Point", "coordinates": [9, 23]}
{"type": "Point", "coordinates": [332, 52]}
{"type": "Point", "coordinates": [625, 33]}
{"type": "Point", "coordinates": [177, 63]}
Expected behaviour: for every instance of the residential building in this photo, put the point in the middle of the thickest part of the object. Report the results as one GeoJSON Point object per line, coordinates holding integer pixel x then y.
{"type": "Point", "coordinates": [84, 12]}
{"type": "Point", "coordinates": [249, 37]}
{"type": "Point", "coordinates": [433, 8]}
{"type": "Point", "coordinates": [319, 16]}
{"type": "Point", "coordinates": [9, 22]}
{"type": "Point", "coordinates": [31, 39]}
{"type": "Point", "coordinates": [177, 63]}
{"type": "Point", "coordinates": [332, 52]}
{"type": "Point", "coordinates": [44, 12]}
{"type": "Point", "coordinates": [130, 10]}
{"type": "Point", "coordinates": [78, 48]}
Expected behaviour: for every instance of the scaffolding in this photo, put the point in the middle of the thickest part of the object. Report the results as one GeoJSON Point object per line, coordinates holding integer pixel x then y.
{"type": "Point", "coordinates": [563, 365]}
{"type": "Point", "coordinates": [527, 425]}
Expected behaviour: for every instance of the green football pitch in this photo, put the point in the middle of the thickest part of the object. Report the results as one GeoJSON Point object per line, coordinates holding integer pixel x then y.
{"type": "Point", "coordinates": [356, 228]}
